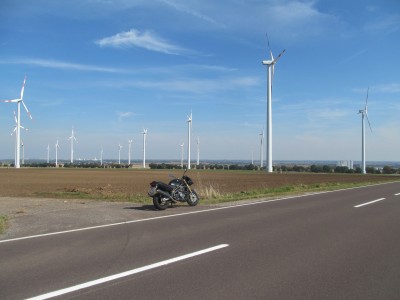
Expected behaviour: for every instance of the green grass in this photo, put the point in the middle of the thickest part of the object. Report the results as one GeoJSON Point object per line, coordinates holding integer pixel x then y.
{"type": "Point", "coordinates": [3, 223]}
{"type": "Point", "coordinates": [289, 190]}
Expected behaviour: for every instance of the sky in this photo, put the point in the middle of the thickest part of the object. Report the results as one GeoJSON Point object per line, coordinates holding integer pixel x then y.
{"type": "Point", "coordinates": [110, 68]}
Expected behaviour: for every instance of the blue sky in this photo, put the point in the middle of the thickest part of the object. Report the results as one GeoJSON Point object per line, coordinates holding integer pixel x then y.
{"type": "Point", "coordinates": [110, 68]}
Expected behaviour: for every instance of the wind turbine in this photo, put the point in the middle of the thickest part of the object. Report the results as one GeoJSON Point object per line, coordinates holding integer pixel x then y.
{"type": "Point", "coordinates": [182, 155]}
{"type": "Point", "coordinates": [364, 113]}
{"type": "Point", "coordinates": [18, 137]}
{"type": "Point", "coordinates": [261, 149]}
{"type": "Point", "coordinates": [198, 151]}
{"type": "Point", "coordinates": [271, 65]}
{"type": "Point", "coordinates": [72, 138]}
{"type": "Point", "coordinates": [189, 120]}
{"type": "Point", "coordinates": [129, 152]}
{"type": "Point", "coordinates": [23, 151]}
{"type": "Point", "coordinates": [119, 153]}
{"type": "Point", "coordinates": [48, 153]}
{"type": "Point", "coordinates": [57, 146]}
{"type": "Point", "coordinates": [144, 147]}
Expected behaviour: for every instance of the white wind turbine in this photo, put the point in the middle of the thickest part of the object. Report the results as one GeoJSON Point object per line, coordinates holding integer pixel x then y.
{"type": "Point", "coordinates": [189, 120]}
{"type": "Point", "coordinates": [18, 137]}
{"type": "Point", "coordinates": [198, 151]}
{"type": "Point", "coordinates": [101, 156]}
{"type": "Point", "coordinates": [72, 138]}
{"type": "Point", "coordinates": [23, 151]}
{"type": "Point", "coordinates": [119, 153]}
{"type": "Point", "coordinates": [144, 147]}
{"type": "Point", "coordinates": [364, 113]}
{"type": "Point", "coordinates": [57, 146]}
{"type": "Point", "coordinates": [271, 65]}
{"type": "Point", "coordinates": [48, 153]}
{"type": "Point", "coordinates": [129, 151]}
{"type": "Point", "coordinates": [261, 149]}
{"type": "Point", "coordinates": [182, 155]}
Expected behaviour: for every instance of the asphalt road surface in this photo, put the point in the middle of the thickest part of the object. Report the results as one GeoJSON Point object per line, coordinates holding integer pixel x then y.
{"type": "Point", "coordinates": [337, 245]}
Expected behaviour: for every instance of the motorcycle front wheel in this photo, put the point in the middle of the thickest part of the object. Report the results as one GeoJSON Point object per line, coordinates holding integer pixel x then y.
{"type": "Point", "coordinates": [160, 202]}
{"type": "Point", "coordinates": [193, 199]}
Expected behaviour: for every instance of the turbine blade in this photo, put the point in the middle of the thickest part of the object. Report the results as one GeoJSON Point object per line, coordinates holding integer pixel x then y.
{"type": "Point", "coordinates": [269, 48]}
{"type": "Point", "coordinates": [279, 56]}
{"type": "Point", "coordinates": [23, 88]}
{"type": "Point", "coordinates": [366, 99]}
{"type": "Point", "coordinates": [15, 118]}
{"type": "Point", "coordinates": [13, 101]}
{"type": "Point", "coordinates": [366, 114]}
{"type": "Point", "coordinates": [27, 111]}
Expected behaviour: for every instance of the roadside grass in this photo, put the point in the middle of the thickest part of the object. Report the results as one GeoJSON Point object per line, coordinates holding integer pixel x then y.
{"type": "Point", "coordinates": [287, 190]}
{"type": "Point", "coordinates": [211, 194]}
{"type": "Point", "coordinates": [3, 223]}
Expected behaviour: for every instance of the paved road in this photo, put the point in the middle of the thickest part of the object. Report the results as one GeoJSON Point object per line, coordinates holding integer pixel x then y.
{"type": "Point", "coordinates": [312, 247]}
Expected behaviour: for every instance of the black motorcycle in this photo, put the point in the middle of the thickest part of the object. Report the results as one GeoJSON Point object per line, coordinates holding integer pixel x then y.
{"type": "Point", "coordinates": [177, 190]}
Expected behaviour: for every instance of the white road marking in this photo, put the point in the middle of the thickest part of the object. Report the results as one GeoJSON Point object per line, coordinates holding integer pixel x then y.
{"type": "Point", "coordinates": [186, 213]}
{"type": "Point", "coordinates": [369, 202]}
{"type": "Point", "coordinates": [398, 194]}
{"type": "Point", "coordinates": [125, 274]}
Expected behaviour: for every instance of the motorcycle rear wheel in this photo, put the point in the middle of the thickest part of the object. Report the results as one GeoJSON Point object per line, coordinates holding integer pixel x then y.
{"type": "Point", "coordinates": [160, 202]}
{"type": "Point", "coordinates": [193, 199]}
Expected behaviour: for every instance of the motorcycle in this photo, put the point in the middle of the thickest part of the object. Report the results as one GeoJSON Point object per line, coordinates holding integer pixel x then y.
{"type": "Point", "coordinates": [177, 190]}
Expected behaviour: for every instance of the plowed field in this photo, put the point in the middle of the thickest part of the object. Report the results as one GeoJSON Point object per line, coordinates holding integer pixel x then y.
{"type": "Point", "coordinates": [130, 183]}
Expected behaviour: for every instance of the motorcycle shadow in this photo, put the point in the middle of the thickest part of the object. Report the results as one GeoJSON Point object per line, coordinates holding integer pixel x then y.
{"type": "Point", "coordinates": [148, 207]}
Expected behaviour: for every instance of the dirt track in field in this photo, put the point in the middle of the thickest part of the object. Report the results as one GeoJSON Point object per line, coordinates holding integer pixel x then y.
{"type": "Point", "coordinates": [50, 183]}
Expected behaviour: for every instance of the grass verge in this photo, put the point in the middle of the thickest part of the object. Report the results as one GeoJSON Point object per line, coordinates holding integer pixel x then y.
{"type": "Point", "coordinates": [3, 223]}
{"type": "Point", "coordinates": [288, 190]}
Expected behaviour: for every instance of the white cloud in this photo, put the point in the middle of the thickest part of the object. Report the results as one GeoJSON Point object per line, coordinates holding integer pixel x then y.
{"type": "Point", "coordinates": [60, 65]}
{"type": "Point", "coordinates": [126, 114]}
{"type": "Point", "coordinates": [146, 39]}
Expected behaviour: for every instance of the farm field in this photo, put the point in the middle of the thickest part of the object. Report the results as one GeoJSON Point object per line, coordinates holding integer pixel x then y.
{"type": "Point", "coordinates": [132, 184]}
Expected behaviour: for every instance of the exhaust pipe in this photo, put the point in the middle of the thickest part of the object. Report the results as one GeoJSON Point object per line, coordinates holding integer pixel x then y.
{"type": "Point", "coordinates": [165, 194]}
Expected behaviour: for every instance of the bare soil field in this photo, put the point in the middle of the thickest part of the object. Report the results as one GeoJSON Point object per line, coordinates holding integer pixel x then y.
{"type": "Point", "coordinates": [35, 201]}
{"type": "Point", "coordinates": [125, 184]}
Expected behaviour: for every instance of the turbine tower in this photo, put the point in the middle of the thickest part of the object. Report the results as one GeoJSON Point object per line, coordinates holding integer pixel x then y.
{"type": "Point", "coordinates": [16, 136]}
{"type": "Point", "coordinates": [182, 155]}
{"type": "Point", "coordinates": [101, 156]}
{"type": "Point", "coordinates": [189, 120]}
{"type": "Point", "coordinates": [72, 138]}
{"type": "Point", "coordinates": [271, 65]}
{"type": "Point", "coordinates": [48, 153]}
{"type": "Point", "coordinates": [198, 151]}
{"type": "Point", "coordinates": [364, 113]}
{"type": "Point", "coordinates": [129, 152]}
{"type": "Point", "coordinates": [57, 146]}
{"type": "Point", "coordinates": [261, 149]}
{"type": "Point", "coordinates": [144, 147]}
{"type": "Point", "coordinates": [18, 131]}
{"type": "Point", "coordinates": [119, 153]}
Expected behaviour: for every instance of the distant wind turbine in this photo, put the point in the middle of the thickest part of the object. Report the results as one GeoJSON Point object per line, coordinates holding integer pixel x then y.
{"type": "Point", "coordinates": [198, 151]}
{"type": "Point", "coordinates": [18, 137]}
{"type": "Point", "coordinates": [271, 65]}
{"type": "Point", "coordinates": [23, 151]}
{"type": "Point", "coordinates": [129, 152]}
{"type": "Point", "coordinates": [189, 120]}
{"type": "Point", "coordinates": [182, 155]}
{"type": "Point", "coordinates": [119, 153]}
{"type": "Point", "coordinates": [48, 153]}
{"type": "Point", "coordinates": [364, 113]}
{"type": "Point", "coordinates": [144, 147]}
{"type": "Point", "coordinates": [261, 149]}
{"type": "Point", "coordinates": [72, 138]}
{"type": "Point", "coordinates": [57, 146]}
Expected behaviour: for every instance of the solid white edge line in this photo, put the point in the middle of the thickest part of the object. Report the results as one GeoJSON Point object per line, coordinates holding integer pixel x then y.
{"type": "Point", "coordinates": [398, 194]}
{"type": "Point", "coordinates": [125, 274]}
{"type": "Point", "coordinates": [357, 206]}
{"type": "Point", "coordinates": [189, 213]}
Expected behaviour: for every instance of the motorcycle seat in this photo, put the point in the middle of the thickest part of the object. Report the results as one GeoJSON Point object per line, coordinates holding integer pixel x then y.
{"type": "Point", "coordinates": [165, 187]}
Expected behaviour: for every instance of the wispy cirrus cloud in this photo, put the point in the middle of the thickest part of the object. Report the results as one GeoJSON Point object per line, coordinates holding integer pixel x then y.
{"type": "Point", "coordinates": [54, 64]}
{"type": "Point", "coordinates": [124, 114]}
{"type": "Point", "coordinates": [145, 39]}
